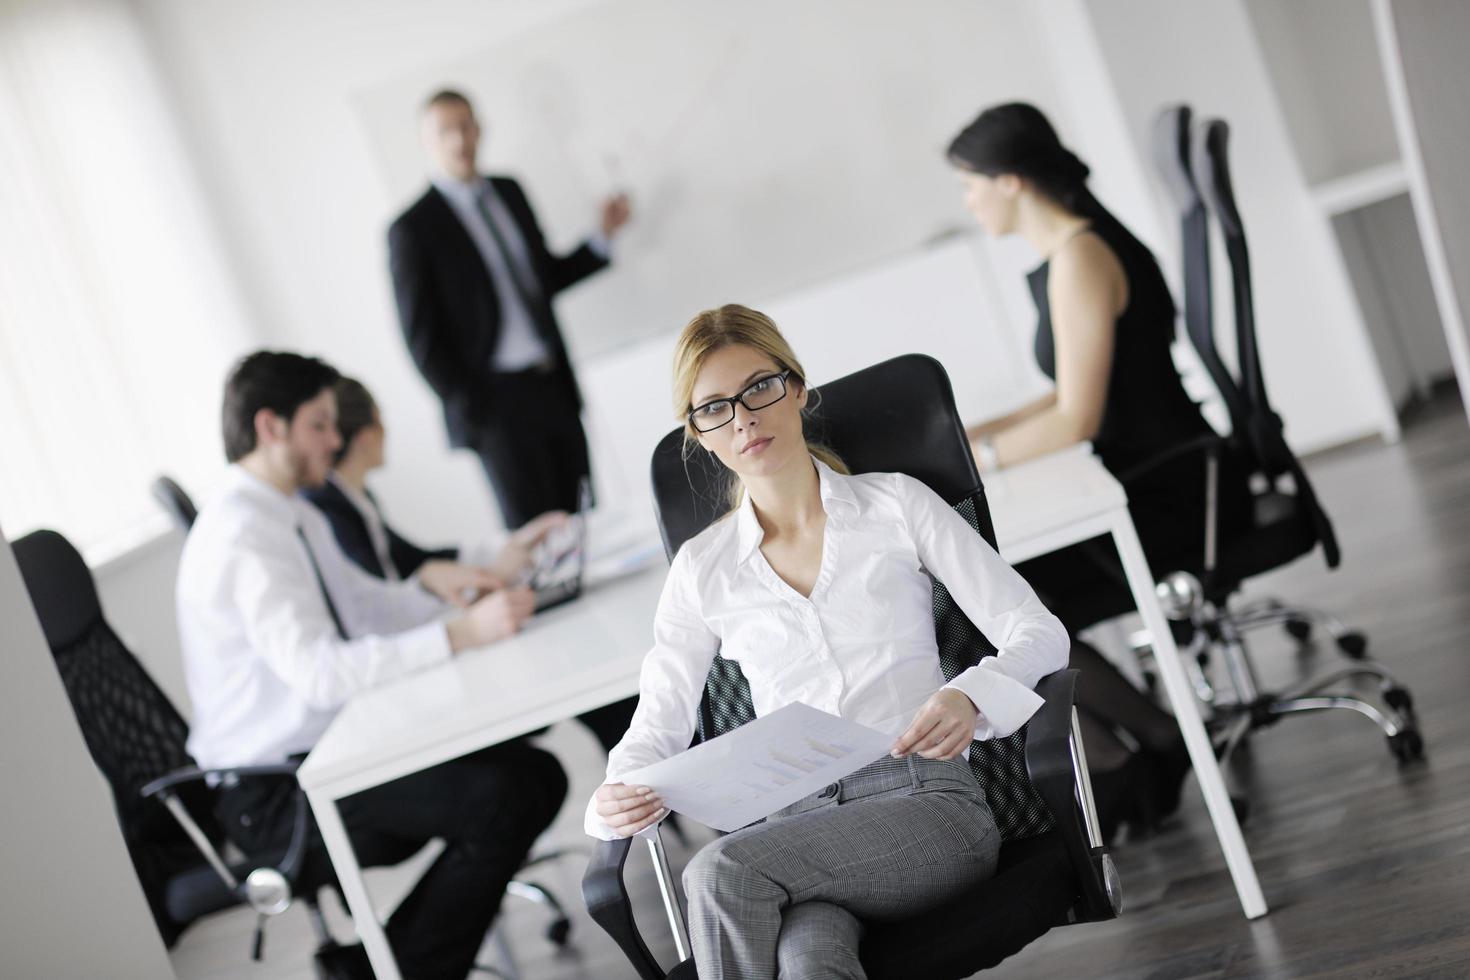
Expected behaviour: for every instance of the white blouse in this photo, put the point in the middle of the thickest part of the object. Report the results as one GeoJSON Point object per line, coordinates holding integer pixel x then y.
{"type": "Point", "coordinates": [863, 645]}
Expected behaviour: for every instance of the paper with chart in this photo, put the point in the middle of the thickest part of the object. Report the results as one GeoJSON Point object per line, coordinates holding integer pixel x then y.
{"type": "Point", "coordinates": [762, 766]}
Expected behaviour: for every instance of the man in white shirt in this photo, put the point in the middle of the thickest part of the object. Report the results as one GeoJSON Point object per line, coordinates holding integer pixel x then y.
{"type": "Point", "coordinates": [279, 629]}
{"type": "Point", "coordinates": [474, 280]}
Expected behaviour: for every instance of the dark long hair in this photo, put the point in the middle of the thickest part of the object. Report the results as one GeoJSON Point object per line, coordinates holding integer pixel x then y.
{"type": "Point", "coordinates": [1017, 138]}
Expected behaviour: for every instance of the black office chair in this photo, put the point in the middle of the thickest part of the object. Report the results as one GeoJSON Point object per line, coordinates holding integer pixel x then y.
{"type": "Point", "coordinates": [172, 498]}
{"type": "Point", "coordinates": [136, 737]}
{"type": "Point", "coordinates": [1287, 520]}
{"type": "Point", "coordinates": [1053, 870]}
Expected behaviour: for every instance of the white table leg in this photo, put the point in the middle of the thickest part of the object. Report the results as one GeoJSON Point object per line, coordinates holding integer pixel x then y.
{"type": "Point", "coordinates": [349, 875]}
{"type": "Point", "coordinates": [1186, 712]}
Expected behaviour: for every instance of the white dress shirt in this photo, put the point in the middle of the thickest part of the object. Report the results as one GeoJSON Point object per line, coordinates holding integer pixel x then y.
{"type": "Point", "coordinates": [863, 645]}
{"type": "Point", "coordinates": [266, 667]}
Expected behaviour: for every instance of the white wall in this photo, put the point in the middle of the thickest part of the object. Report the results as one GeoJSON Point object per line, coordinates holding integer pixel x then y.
{"type": "Point", "coordinates": [1323, 59]}
{"type": "Point", "coordinates": [1318, 362]}
{"type": "Point", "coordinates": [276, 97]}
{"type": "Point", "coordinates": [1425, 69]}
{"type": "Point", "coordinates": [71, 905]}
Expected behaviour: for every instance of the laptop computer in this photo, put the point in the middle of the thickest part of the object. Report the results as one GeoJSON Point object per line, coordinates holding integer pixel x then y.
{"type": "Point", "coordinates": [562, 562]}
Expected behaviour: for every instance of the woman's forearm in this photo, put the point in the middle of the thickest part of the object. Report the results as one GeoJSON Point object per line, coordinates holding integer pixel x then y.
{"type": "Point", "coordinates": [1042, 433]}
{"type": "Point", "coordinates": [994, 426]}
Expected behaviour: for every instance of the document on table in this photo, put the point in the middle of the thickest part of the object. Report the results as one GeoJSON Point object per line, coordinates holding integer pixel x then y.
{"type": "Point", "coordinates": [762, 766]}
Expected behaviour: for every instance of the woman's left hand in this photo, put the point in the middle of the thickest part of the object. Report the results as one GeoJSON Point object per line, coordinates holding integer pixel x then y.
{"type": "Point", "coordinates": [942, 729]}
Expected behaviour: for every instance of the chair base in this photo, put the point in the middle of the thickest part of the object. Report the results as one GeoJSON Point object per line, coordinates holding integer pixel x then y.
{"type": "Point", "coordinates": [1222, 629]}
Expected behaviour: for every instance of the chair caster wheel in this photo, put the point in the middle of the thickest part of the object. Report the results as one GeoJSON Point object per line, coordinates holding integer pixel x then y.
{"type": "Point", "coordinates": [1354, 644]}
{"type": "Point", "coordinates": [1407, 746]}
{"type": "Point", "coordinates": [1300, 629]}
{"type": "Point", "coordinates": [559, 932]}
{"type": "Point", "coordinates": [1400, 700]}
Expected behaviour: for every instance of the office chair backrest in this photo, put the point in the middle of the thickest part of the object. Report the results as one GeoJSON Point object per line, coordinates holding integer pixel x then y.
{"type": "Point", "coordinates": [1265, 436]}
{"type": "Point", "coordinates": [1171, 145]}
{"type": "Point", "coordinates": [131, 729]}
{"type": "Point", "coordinates": [172, 498]}
{"type": "Point", "coordinates": [897, 416]}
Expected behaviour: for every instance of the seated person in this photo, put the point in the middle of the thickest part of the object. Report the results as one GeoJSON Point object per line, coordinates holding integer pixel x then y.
{"type": "Point", "coordinates": [356, 519]}
{"type": "Point", "coordinates": [1104, 330]}
{"type": "Point", "coordinates": [377, 549]}
{"type": "Point", "coordinates": [279, 630]}
{"type": "Point", "coordinates": [816, 584]}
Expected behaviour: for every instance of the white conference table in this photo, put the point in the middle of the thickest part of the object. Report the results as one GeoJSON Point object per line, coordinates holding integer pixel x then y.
{"type": "Point", "coordinates": [587, 653]}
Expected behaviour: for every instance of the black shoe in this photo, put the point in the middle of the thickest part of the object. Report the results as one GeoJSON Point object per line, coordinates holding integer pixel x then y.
{"type": "Point", "coordinates": [334, 962]}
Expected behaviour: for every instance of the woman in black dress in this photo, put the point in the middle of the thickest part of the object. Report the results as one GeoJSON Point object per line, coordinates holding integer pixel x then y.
{"type": "Point", "coordinates": [1106, 323]}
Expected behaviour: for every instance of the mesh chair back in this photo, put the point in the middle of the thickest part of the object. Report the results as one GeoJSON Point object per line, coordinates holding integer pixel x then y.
{"type": "Point", "coordinates": [897, 416]}
{"type": "Point", "coordinates": [131, 729]}
{"type": "Point", "coordinates": [1171, 146]}
{"type": "Point", "coordinates": [1263, 429]}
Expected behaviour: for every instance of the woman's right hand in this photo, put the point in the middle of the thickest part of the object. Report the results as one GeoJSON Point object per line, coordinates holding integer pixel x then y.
{"type": "Point", "coordinates": [628, 809]}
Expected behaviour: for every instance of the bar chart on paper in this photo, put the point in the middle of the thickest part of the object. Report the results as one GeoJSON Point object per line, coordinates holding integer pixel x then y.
{"type": "Point", "coordinates": [772, 762]}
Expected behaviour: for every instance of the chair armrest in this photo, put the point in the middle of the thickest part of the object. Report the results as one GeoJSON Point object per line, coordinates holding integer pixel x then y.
{"type": "Point", "coordinates": [191, 774]}
{"type": "Point", "coordinates": [607, 901]}
{"type": "Point", "coordinates": [164, 788]}
{"type": "Point", "coordinates": [1059, 776]}
{"type": "Point", "coordinates": [1207, 444]}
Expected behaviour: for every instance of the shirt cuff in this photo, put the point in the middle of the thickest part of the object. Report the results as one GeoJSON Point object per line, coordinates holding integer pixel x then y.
{"type": "Point", "coordinates": [426, 645]}
{"type": "Point", "coordinates": [601, 246]}
{"type": "Point", "coordinates": [1005, 703]}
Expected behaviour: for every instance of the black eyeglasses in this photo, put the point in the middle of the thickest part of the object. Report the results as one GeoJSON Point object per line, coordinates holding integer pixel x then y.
{"type": "Point", "coordinates": [761, 394]}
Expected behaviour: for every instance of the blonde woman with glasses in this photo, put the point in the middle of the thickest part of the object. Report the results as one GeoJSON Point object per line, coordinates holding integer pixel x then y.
{"type": "Point", "coordinates": [817, 584]}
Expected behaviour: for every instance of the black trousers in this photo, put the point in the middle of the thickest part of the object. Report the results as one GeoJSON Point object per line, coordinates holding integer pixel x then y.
{"type": "Point", "coordinates": [534, 451]}
{"type": "Point", "coordinates": [488, 807]}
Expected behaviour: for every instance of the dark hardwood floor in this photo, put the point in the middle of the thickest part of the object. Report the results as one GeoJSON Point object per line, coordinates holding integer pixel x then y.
{"type": "Point", "coordinates": [1366, 865]}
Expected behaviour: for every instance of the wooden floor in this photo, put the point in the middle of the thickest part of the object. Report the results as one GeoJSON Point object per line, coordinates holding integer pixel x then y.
{"type": "Point", "coordinates": [1366, 865]}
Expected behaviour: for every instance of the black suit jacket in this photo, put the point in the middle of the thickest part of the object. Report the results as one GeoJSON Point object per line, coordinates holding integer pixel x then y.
{"type": "Point", "coordinates": [352, 535]}
{"type": "Point", "coordinates": [449, 309]}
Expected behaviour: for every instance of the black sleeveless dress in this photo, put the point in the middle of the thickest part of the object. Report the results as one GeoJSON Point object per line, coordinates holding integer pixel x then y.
{"type": "Point", "coordinates": [1146, 412]}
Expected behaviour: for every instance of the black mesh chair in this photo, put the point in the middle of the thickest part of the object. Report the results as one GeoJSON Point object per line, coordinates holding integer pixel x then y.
{"type": "Point", "coordinates": [900, 416]}
{"type": "Point", "coordinates": [1287, 520]}
{"type": "Point", "coordinates": [172, 498]}
{"type": "Point", "coordinates": [164, 802]}
{"type": "Point", "coordinates": [136, 737]}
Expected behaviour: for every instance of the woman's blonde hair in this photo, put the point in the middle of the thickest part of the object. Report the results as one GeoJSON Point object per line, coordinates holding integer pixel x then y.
{"type": "Point", "coordinates": [733, 325]}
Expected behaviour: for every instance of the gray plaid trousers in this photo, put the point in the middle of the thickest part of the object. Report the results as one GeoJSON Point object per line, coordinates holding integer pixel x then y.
{"type": "Point", "coordinates": [786, 897]}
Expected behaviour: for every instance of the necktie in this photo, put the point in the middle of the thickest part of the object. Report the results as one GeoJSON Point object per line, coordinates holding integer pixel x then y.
{"type": "Point", "coordinates": [527, 292]}
{"type": "Point", "coordinates": [321, 583]}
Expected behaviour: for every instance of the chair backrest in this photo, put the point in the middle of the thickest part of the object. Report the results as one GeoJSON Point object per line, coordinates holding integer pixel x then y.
{"type": "Point", "coordinates": [172, 498]}
{"type": "Point", "coordinates": [1264, 432]}
{"type": "Point", "coordinates": [897, 416]}
{"type": "Point", "coordinates": [1171, 146]}
{"type": "Point", "coordinates": [132, 730]}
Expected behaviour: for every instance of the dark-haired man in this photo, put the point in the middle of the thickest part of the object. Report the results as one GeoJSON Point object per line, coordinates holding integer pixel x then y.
{"type": "Point", "coordinates": [474, 281]}
{"type": "Point", "coordinates": [279, 629]}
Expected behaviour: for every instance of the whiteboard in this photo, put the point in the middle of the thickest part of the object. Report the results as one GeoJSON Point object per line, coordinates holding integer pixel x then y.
{"type": "Point", "coordinates": [768, 145]}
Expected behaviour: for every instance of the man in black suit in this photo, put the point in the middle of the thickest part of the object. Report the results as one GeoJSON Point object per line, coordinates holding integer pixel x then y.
{"type": "Point", "coordinates": [474, 280]}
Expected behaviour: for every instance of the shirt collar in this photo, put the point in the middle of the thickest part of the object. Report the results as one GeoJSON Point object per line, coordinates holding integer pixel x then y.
{"type": "Point", "coordinates": [263, 495]}
{"type": "Point", "coordinates": [459, 191]}
{"type": "Point", "coordinates": [838, 500]}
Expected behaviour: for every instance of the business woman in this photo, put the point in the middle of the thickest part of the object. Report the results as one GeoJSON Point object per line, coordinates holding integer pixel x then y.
{"type": "Point", "coordinates": [816, 584]}
{"type": "Point", "coordinates": [1105, 323]}
{"type": "Point", "coordinates": [377, 549]}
